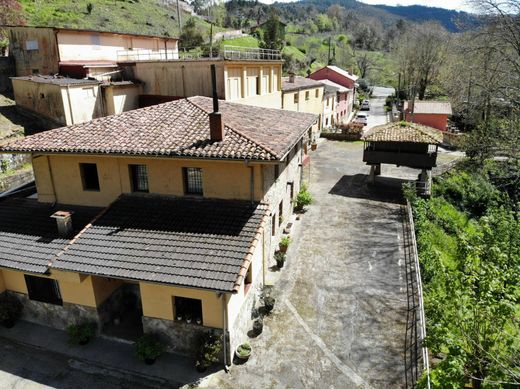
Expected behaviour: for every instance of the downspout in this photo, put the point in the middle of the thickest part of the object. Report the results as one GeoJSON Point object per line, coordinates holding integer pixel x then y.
{"type": "Point", "coordinates": [251, 181]}
{"type": "Point", "coordinates": [52, 181]}
{"type": "Point", "coordinates": [70, 105]}
{"type": "Point", "coordinates": [224, 325]}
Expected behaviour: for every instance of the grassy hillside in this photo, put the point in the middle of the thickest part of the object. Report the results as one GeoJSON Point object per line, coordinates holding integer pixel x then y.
{"type": "Point", "coordinates": [131, 16]}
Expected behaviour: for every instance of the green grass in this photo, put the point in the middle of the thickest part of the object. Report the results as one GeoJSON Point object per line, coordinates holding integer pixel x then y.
{"type": "Point", "coordinates": [130, 16]}
{"type": "Point", "coordinates": [295, 53]}
{"type": "Point", "coordinates": [244, 41]}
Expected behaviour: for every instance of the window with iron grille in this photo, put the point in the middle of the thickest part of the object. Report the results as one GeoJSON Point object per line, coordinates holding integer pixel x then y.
{"type": "Point", "coordinates": [139, 178]}
{"type": "Point", "coordinates": [44, 290]}
{"type": "Point", "coordinates": [193, 180]}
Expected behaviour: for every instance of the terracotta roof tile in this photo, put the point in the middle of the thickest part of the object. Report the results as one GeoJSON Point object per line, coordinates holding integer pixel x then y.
{"type": "Point", "coordinates": [404, 132]}
{"type": "Point", "coordinates": [178, 129]}
{"type": "Point", "coordinates": [299, 84]}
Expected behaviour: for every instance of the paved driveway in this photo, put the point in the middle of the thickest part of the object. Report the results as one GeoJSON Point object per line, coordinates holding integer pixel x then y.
{"type": "Point", "coordinates": [341, 302]}
{"type": "Point", "coordinates": [377, 113]}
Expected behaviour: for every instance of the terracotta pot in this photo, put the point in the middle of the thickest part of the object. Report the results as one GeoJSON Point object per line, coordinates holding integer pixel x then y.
{"type": "Point", "coordinates": [314, 146]}
{"type": "Point", "coordinates": [283, 249]}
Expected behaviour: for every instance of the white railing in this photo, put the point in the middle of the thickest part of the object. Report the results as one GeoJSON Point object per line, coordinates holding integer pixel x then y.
{"type": "Point", "coordinates": [147, 55]}
{"type": "Point", "coordinates": [249, 53]}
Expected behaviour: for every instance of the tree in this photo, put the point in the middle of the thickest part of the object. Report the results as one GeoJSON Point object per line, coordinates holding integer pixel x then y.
{"type": "Point", "coordinates": [11, 13]}
{"type": "Point", "coordinates": [364, 63]}
{"type": "Point", "coordinates": [273, 33]}
{"type": "Point", "coordinates": [190, 35]}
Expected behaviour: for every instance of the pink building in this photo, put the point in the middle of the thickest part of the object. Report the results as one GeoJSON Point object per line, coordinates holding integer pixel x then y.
{"type": "Point", "coordinates": [346, 80]}
{"type": "Point", "coordinates": [429, 113]}
{"type": "Point", "coordinates": [342, 107]}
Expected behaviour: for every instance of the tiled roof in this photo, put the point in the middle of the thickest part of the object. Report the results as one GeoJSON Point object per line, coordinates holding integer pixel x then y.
{"type": "Point", "coordinates": [431, 107]}
{"type": "Point", "coordinates": [61, 81]}
{"type": "Point", "coordinates": [344, 73]}
{"type": "Point", "coordinates": [178, 129]}
{"type": "Point", "coordinates": [338, 87]}
{"type": "Point", "coordinates": [299, 84]}
{"type": "Point", "coordinates": [29, 237]}
{"type": "Point", "coordinates": [404, 132]}
{"type": "Point", "coordinates": [199, 243]}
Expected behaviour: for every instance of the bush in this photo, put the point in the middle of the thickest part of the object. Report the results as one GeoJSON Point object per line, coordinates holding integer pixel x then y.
{"type": "Point", "coordinates": [81, 333]}
{"type": "Point", "coordinates": [279, 258]}
{"type": "Point", "coordinates": [244, 351]}
{"type": "Point", "coordinates": [269, 304]}
{"type": "Point", "coordinates": [303, 199]}
{"type": "Point", "coordinates": [148, 348]}
{"type": "Point", "coordinates": [10, 309]}
{"type": "Point", "coordinates": [209, 350]}
{"type": "Point", "coordinates": [285, 241]}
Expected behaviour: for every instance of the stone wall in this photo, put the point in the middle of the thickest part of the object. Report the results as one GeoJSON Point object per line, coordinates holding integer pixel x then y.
{"type": "Point", "coordinates": [56, 316]}
{"type": "Point", "coordinates": [179, 336]}
{"type": "Point", "coordinates": [7, 70]}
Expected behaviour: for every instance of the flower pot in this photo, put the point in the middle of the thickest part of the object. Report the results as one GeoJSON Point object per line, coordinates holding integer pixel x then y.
{"type": "Point", "coordinates": [150, 361]}
{"type": "Point", "coordinates": [201, 367]}
{"type": "Point", "coordinates": [241, 357]}
{"type": "Point", "coordinates": [283, 249]}
{"type": "Point", "coordinates": [279, 264]}
{"type": "Point", "coordinates": [8, 323]}
{"type": "Point", "coordinates": [258, 327]}
{"type": "Point", "coordinates": [188, 321]}
{"type": "Point", "coordinates": [314, 146]}
{"type": "Point", "coordinates": [179, 318]}
{"type": "Point", "coordinates": [198, 321]}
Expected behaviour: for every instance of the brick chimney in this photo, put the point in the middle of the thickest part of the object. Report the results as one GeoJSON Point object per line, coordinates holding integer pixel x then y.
{"type": "Point", "coordinates": [291, 77]}
{"type": "Point", "coordinates": [64, 223]}
{"type": "Point", "coordinates": [216, 125]}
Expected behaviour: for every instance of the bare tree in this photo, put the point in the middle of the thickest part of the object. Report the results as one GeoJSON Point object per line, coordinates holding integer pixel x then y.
{"type": "Point", "coordinates": [364, 63]}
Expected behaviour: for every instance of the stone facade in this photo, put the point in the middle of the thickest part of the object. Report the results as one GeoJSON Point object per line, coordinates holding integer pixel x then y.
{"type": "Point", "coordinates": [178, 336]}
{"type": "Point", "coordinates": [56, 316]}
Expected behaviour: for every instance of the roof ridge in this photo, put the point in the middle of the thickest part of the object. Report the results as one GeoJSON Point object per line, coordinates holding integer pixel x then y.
{"type": "Point", "coordinates": [235, 130]}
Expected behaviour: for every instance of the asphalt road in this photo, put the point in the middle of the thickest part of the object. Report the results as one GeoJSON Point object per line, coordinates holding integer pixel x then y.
{"type": "Point", "coordinates": [377, 114]}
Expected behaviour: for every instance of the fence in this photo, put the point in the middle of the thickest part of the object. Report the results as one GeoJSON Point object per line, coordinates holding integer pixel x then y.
{"type": "Point", "coordinates": [248, 53]}
{"type": "Point", "coordinates": [416, 353]}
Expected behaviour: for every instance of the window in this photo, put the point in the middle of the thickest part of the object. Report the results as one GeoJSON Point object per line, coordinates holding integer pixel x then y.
{"type": "Point", "coordinates": [188, 309]}
{"type": "Point", "coordinates": [327, 121]}
{"type": "Point", "coordinates": [96, 42]}
{"type": "Point", "coordinates": [327, 101]}
{"type": "Point", "coordinates": [139, 178]}
{"type": "Point", "coordinates": [31, 45]}
{"type": "Point", "coordinates": [307, 95]}
{"type": "Point", "coordinates": [252, 82]}
{"type": "Point", "coordinates": [258, 86]}
{"type": "Point", "coordinates": [44, 290]}
{"type": "Point", "coordinates": [35, 71]}
{"type": "Point", "coordinates": [193, 180]}
{"type": "Point", "coordinates": [42, 95]}
{"type": "Point", "coordinates": [296, 98]}
{"type": "Point", "coordinates": [280, 213]}
{"type": "Point", "coordinates": [317, 93]}
{"type": "Point", "coordinates": [89, 176]}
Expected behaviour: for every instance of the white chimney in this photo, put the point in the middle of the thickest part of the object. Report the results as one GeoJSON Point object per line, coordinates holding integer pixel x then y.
{"type": "Point", "coordinates": [291, 77]}
{"type": "Point", "coordinates": [64, 223]}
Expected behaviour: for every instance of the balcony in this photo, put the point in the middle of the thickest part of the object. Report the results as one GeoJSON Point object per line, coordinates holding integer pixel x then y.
{"type": "Point", "coordinates": [233, 53]}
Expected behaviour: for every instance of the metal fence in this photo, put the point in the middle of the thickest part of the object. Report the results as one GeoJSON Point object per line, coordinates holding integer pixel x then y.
{"type": "Point", "coordinates": [248, 53]}
{"type": "Point", "coordinates": [416, 353]}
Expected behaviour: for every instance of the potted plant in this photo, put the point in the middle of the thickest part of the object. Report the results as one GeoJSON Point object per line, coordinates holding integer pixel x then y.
{"type": "Point", "coordinates": [10, 310]}
{"type": "Point", "coordinates": [280, 259]}
{"type": "Point", "coordinates": [258, 326]}
{"type": "Point", "coordinates": [198, 320]}
{"type": "Point", "coordinates": [314, 145]}
{"type": "Point", "coordinates": [269, 304]}
{"type": "Point", "coordinates": [188, 318]}
{"type": "Point", "coordinates": [179, 317]}
{"type": "Point", "coordinates": [284, 243]}
{"type": "Point", "coordinates": [303, 199]}
{"type": "Point", "coordinates": [209, 351]}
{"type": "Point", "coordinates": [148, 349]}
{"type": "Point", "coordinates": [81, 333]}
{"type": "Point", "coordinates": [243, 351]}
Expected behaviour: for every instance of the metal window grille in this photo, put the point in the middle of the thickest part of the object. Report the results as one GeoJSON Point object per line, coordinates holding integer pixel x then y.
{"type": "Point", "coordinates": [193, 180]}
{"type": "Point", "coordinates": [89, 176]}
{"type": "Point", "coordinates": [139, 174]}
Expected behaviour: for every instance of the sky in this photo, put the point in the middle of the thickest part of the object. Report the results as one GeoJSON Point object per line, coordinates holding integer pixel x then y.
{"type": "Point", "coordinates": [459, 5]}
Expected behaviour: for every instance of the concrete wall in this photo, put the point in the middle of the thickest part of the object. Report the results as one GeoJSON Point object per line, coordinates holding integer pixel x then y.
{"type": "Point", "coordinates": [439, 122]}
{"type": "Point", "coordinates": [227, 180]}
{"type": "Point", "coordinates": [88, 45]}
{"type": "Point", "coordinates": [42, 60]}
{"type": "Point", "coordinates": [312, 104]}
{"type": "Point", "coordinates": [66, 106]}
{"type": "Point", "coordinates": [328, 74]}
{"type": "Point", "coordinates": [119, 99]}
{"type": "Point", "coordinates": [7, 69]}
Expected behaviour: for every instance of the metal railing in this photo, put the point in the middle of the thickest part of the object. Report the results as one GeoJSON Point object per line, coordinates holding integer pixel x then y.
{"type": "Point", "coordinates": [248, 53]}
{"type": "Point", "coordinates": [416, 353]}
{"type": "Point", "coordinates": [147, 55]}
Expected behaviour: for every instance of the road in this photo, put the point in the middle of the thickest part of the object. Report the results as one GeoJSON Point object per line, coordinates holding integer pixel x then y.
{"type": "Point", "coordinates": [377, 114]}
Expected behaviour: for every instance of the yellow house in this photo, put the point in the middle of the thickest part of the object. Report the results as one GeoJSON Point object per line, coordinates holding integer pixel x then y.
{"type": "Point", "coordinates": [168, 214]}
{"type": "Point", "coordinates": [302, 94]}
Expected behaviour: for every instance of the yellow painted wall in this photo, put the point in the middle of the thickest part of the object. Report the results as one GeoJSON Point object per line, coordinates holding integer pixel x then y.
{"type": "Point", "coordinates": [2, 284]}
{"type": "Point", "coordinates": [78, 46]}
{"type": "Point", "coordinates": [229, 180]}
{"type": "Point", "coordinates": [313, 104]}
{"type": "Point", "coordinates": [82, 103]}
{"type": "Point", "coordinates": [157, 302]}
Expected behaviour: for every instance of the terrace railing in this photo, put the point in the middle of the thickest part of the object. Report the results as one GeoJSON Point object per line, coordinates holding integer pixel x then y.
{"type": "Point", "coordinates": [248, 53]}
{"type": "Point", "coordinates": [147, 55]}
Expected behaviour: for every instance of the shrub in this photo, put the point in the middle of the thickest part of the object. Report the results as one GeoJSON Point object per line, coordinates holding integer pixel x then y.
{"type": "Point", "coordinates": [81, 333]}
{"type": "Point", "coordinates": [244, 351]}
{"type": "Point", "coordinates": [10, 308]}
{"type": "Point", "coordinates": [269, 304]}
{"type": "Point", "coordinates": [279, 258]}
{"type": "Point", "coordinates": [209, 350]}
{"type": "Point", "coordinates": [285, 241]}
{"type": "Point", "coordinates": [148, 348]}
{"type": "Point", "coordinates": [303, 199]}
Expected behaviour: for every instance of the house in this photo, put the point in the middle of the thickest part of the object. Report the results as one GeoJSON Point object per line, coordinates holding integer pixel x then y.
{"type": "Point", "coordinates": [429, 113]}
{"type": "Point", "coordinates": [60, 101]}
{"type": "Point", "coordinates": [158, 220]}
{"type": "Point", "coordinates": [340, 77]}
{"type": "Point", "coordinates": [244, 75]}
{"type": "Point", "coordinates": [329, 105]}
{"type": "Point", "coordinates": [49, 50]}
{"type": "Point", "coordinates": [302, 94]}
{"type": "Point", "coordinates": [342, 108]}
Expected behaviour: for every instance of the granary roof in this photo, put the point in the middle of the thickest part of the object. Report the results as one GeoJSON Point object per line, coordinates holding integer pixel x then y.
{"type": "Point", "coordinates": [404, 132]}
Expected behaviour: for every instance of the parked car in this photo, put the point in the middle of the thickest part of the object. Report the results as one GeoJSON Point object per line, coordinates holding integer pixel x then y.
{"type": "Point", "coordinates": [361, 118]}
{"type": "Point", "coordinates": [365, 105]}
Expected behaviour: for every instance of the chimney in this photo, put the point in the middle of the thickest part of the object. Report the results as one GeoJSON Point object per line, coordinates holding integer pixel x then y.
{"type": "Point", "coordinates": [64, 223]}
{"type": "Point", "coordinates": [216, 126]}
{"type": "Point", "coordinates": [291, 77]}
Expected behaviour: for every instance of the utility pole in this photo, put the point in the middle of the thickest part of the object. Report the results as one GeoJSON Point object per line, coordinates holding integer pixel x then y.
{"type": "Point", "coordinates": [179, 17]}
{"type": "Point", "coordinates": [329, 61]}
